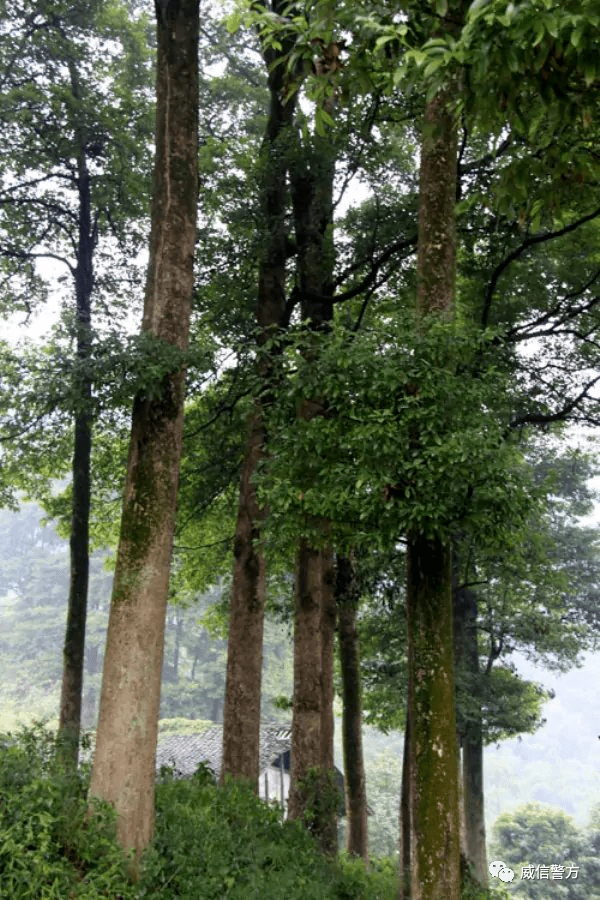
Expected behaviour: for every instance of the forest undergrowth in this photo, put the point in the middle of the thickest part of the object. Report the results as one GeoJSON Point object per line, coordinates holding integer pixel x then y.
{"type": "Point", "coordinates": [210, 843]}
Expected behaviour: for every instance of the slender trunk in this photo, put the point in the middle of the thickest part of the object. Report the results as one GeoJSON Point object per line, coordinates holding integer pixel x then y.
{"type": "Point", "coordinates": [473, 794]}
{"type": "Point", "coordinates": [466, 656]}
{"type": "Point", "coordinates": [461, 801]}
{"type": "Point", "coordinates": [241, 716]}
{"type": "Point", "coordinates": [459, 597]}
{"type": "Point", "coordinates": [406, 836]}
{"type": "Point", "coordinates": [474, 804]}
{"type": "Point", "coordinates": [433, 748]}
{"type": "Point", "coordinates": [74, 645]}
{"type": "Point", "coordinates": [329, 840]}
{"type": "Point", "coordinates": [177, 648]}
{"type": "Point", "coordinates": [123, 772]}
{"type": "Point", "coordinates": [433, 751]}
{"type": "Point", "coordinates": [354, 767]}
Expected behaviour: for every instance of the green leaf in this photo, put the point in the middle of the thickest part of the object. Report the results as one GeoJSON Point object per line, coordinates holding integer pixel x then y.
{"type": "Point", "coordinates": [576, 37]}
{"type": "Point", "coordinates": [233, 21]}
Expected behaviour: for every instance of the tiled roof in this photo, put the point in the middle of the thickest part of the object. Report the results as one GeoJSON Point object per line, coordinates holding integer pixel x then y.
{"type": "Point", "coordinates": [185, 752]}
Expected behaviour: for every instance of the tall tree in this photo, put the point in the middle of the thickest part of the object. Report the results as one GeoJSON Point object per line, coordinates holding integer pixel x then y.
{"type": "Point", "coordinates": [124, 763]}
{"type": "Point", "coordinates": [63, 200]}
{"type": "Point", "coordinates": [433, 751]}
{"type": "Point", "coordinates": [241, 722]}
{"type": "Point", "coordinates": [312, 179]}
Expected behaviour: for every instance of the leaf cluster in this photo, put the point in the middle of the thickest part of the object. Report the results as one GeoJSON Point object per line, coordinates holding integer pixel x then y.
{"type": "Point", "coordinates": [406, 430]}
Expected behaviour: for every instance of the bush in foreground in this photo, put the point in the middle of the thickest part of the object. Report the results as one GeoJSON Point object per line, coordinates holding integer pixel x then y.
{"type": "Point", "coordinates": [215, 843]}
{"type": "Point", "coordinates": [210, 843]}
{"type": "Point", "coordinates": [49, 850]}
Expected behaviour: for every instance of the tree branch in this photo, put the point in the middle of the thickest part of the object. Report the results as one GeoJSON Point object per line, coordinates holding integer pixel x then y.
{"type": "Point", "coordinates": [560, 415]}
{"type": "Point", "coordinates": [520, 250]}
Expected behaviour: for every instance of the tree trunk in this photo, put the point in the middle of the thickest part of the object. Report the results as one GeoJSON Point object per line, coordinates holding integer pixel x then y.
{"type": "Point", "coordinates": [466, 658]}
{"type": "Point", "coordinates": [433, 749]}
{"type": "Point", "coordinates": [328, 838]}
{"type": "Point", "coordinates": [241, 716]}
{"type": "Point", "coordinates": [177, 647]}
{"type": "Point", "coordinates": [406, 833]}
{"type": "Point", "coordinates": [74, 645]}
{"type": "Point", "coordinates": [308, 696]}
{"type": "Point", "coordinates": [313, 796]}
{"type": "Point", "coordinates": [474, 803]}
{"type": "Point", "coordinates": [311, 178]}
{"type": "Point", "coordinates": [473, 795]}
{"type": "Point", "coordinates": [124, 762]}
{"type": "Point", "coordinates": [354, 767]}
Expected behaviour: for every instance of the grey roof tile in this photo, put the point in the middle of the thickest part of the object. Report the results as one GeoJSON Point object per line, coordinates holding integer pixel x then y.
{"type": "Point", "coordinates": [185, 752]}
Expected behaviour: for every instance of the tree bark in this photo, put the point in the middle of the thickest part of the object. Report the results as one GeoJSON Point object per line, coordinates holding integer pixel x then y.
{"type": "Point", "coordinates": [466, 659]}
{"type": "Point", "coordinates": [74, 646]}
{"type": "Point", "coordinates": [406, 834]}
{"type": "Point", "coordinates": [124, 762]}
{"type": "Point", "coordinates": [473, 793]}
{"type": "Point", "coordinates": [354, 767]}
{"type": "Point", "coordinates": [241, 715]}
{"type": "Point", "coordinates": [306, 749]}
{"type": "Point", "coordinates": [474, 803]}
{"type": "Point", "coordinates": [328, 838]}
{"type": "Point", "coordinates": [433, 748]}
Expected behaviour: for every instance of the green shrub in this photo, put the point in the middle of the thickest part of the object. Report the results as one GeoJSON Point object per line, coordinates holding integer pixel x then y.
{"type": "Point", "coordinates": [215, 843]}
{"type": "Point", "coordinates": [378, 882]}
{"type": "Point", "coordinates": [210, 843]}
{"type": "Point", "coordinates": [49, 848]}
{"type": "Point", "coordinates": [181, 725]}
{"type": "Point", "coordinates": [224, 843]}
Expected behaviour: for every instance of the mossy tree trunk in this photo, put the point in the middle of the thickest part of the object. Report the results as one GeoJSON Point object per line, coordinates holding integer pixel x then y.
{"type": "Point", "coordinates": [433, 750]}
{"type": "Point", "coordinates": [241, 716]}
{"type": "Point", "coordinates": [354, 766]}
{"type": "Point", "coordinates": [124, 762]}
{"type": "Point", "coordinates": [433, 747]}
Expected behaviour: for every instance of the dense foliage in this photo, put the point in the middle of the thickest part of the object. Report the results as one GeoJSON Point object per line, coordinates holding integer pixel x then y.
{"type": "Point", "coordinates": [210, 843]}
{"type": "Point", "coordinates": [532, 838]}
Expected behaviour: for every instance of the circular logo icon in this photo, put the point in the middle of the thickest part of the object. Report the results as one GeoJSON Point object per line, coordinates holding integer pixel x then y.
{"type": "Point", "coordinates": [506, 874]}
{"type": "Point", "coordinates": [496, 866]}
{"type": "Point", "coordinates": [499, 869]}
